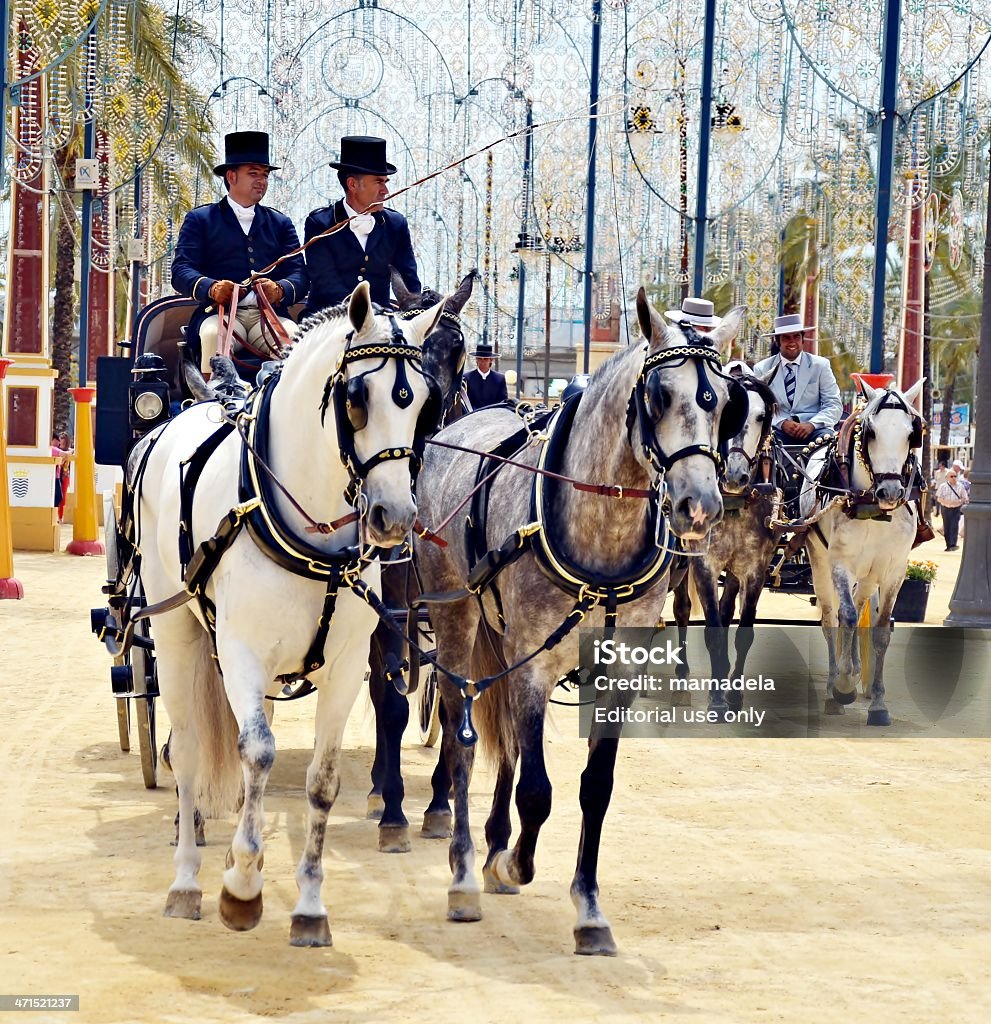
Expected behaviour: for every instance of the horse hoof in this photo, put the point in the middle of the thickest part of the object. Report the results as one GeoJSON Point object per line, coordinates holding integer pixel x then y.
{"type": "Point", "coordinates": [184, 903]}
{"type": "Point", "coordinates": [309, 931]}
{"type": "Point", "coordinates": [594, 940]}
{"type": "Point", "coordinates": [394, 839]}
{"type": "Point", "coordinates": [503, 869]}
{"type": "Point", "coordinates": [832, 708]}
{"type": "Point", "coordinates": [496, 885]}
{"type": "Point", "coordinates": [463, 905]}
{"type": "Point", "coordinates": [436, 825]}
{"type": "Point", "coordinates": [734, 701]}
{"type": "Point", "coordinates": [721, 711]}
{"type": "Point", "coordinates": [844, 698]}
{"type": "Point", "coordinates": [376, 807]}
{"type": "Point", "coordinates": [878, 717]}
{"type": "Point", "coordinates": [239, 915]}
{"type": "Point", "coordinates": [681, 699]}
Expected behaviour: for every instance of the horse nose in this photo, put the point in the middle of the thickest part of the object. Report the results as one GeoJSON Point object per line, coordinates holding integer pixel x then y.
{"type": "Point", "coordinates": [390, 523]}
{"type": "Point", "coordinates": [695, 515]}
{"type": "Point", "coordinates": [890, 490]}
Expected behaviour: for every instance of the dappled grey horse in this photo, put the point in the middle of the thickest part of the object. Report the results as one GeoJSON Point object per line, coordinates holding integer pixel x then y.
{"type": "Point", "coordinates": [741, 548]}
{"type": "Point", "coordinates": [651, 421]}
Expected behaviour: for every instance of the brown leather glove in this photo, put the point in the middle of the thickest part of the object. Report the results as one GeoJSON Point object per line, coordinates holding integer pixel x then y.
{"type": "Point", "coordinates": [272, 291]}
{"type": "Point", "coordinates": [222, 292]}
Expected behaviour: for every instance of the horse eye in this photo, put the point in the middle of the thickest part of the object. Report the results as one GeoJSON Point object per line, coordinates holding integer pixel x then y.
{"type": "Point", "coordinates": [760, 418]}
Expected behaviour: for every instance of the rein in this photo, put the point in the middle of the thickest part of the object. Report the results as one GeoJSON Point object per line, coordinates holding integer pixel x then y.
{"type": "Point", "coordinates": [277, 347]}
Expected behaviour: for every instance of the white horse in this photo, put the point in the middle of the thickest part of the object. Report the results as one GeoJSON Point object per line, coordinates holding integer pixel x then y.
{"type": "Point", "coordinates": [863, 545]}
{"type": "Point", "coordinates": [341, 419]}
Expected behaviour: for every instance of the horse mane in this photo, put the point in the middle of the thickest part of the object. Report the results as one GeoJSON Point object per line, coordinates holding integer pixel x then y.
{"type": "Point", "coordinates": [754, 383]}
{"type": "Point", "coordinates": [319, 318]}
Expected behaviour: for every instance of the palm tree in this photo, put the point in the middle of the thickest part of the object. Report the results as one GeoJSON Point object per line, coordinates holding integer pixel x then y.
{"type": "Point", "coordinates": [151, 65]}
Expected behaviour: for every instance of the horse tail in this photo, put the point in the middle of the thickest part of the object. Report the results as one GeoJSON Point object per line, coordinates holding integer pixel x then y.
{"type": "Point", "coordinates": [220, 784]}
{"type": "Point", "coordinates": [493, 712]}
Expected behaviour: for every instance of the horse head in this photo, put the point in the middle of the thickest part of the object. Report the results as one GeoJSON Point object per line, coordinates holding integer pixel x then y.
{"type": "Point", "coordinates": [444, 347]}
{"type": "Point", "coordinates": [693, 410]}
{"type": "Point", "coordinates": [381, 398]}
{"type": "Point", "coordinates": [744, 448]}
{"type": "Point", "coordinates": [890, 429]}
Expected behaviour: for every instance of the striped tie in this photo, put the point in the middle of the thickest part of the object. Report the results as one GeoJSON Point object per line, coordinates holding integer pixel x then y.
{"type": "Point", "coordinates": [790, 382]}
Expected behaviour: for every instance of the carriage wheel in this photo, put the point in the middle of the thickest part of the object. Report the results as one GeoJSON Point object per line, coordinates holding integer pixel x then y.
{"type": "Point", "coordinates": [124, 723]}
{"type": "Point", "coordinates": [145, 691]}
{"type": "Point", "coordinates": [429, 710]}
{"type": "Point", "coordinates": [145, 711]}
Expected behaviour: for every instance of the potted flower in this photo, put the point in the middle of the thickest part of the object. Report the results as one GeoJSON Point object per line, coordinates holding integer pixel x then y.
{"type": "Point", "coordinates": [910, 605]}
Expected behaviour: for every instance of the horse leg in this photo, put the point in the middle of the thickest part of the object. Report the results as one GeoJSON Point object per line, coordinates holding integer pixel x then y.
{"type": "Point", "coordinates": [394, 827]}
{"type": "Point", "coordinates": [309, 925]}
{"type": "Point", "coordinates": [877, 713]}
{"type": "Point", "coordinates": [377, 691]}
{"type": "Point", "coordinates": [744, 638]}
{"type": "Point", "coordinates": [241, 897]}
{"type": "Point", "coordinates": [498, 828]}
{"type": "Point", "coordinates": [183, 643]}
{"type": "Point", "coordinates": [463, 899]}
{"type": "Point", "coordinates": [391, 718]}
{"type": "Point", "coordinates": [682, 615]}
{"type": "Point", "coordinates": [716, 636]}
{"type": "Point", "coordinates": [593, 935]}
{"type": "Point", "coordinates": [839, 625]}
{"type": "Point", "coordinates": [533, 796]}
{"type": "Point", "coordinates": [727, 600]}
{"type": "Point", "coordinates": [437, 817]}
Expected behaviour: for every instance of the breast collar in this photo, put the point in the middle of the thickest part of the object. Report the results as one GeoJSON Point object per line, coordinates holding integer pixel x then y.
{"type": "Point", "coordinates": [266, 525]}
{"type": "Point", "coordinates": [567, 575]}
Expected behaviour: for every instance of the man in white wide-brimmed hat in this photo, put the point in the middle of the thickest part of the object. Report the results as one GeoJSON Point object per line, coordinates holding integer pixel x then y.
{"type": "Point", "coordinates": [700, 313]}
{"type": "Point", "coordinates": [809, 402]}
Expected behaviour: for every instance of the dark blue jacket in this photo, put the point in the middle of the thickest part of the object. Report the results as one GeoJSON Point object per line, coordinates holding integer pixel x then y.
{"type": "Point", "coordinates": [213, 247]}
{"type": "Point", "coordinates": [483, 391]}
{"type": "Point", "coordinates": [337, 263]}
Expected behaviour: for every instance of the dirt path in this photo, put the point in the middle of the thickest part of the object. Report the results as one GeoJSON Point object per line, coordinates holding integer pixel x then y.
{"type": "Point", "coordinates": [746, 880]}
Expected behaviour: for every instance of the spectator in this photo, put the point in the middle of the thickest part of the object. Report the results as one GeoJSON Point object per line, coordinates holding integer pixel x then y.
{"type": "Point", "coordinates": [952, 497]}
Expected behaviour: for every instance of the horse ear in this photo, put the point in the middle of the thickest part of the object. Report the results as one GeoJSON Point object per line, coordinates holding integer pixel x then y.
{"type": "Point", "coordinates": [866, 390]}
{"type": "Point", "coordinates": [403, 295]}
{"type": "Point", "coordinates": [360, 308]}
{"type": "Point", "coordinates": [423, 323]}
{"type": "Point", "coordinates": [723, 336]}
{"type": "Point", "coordinates": [457, 301]}
{"type": "Point", "coordinates": [651, 324]}
{"type": "Point", "coordinates": [914, 391]}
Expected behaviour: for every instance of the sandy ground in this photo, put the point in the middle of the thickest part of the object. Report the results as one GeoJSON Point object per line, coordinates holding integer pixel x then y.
{"type": "Point", "coordinates": [746, 880]}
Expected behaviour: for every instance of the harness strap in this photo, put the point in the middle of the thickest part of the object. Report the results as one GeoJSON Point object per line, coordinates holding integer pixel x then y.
{"type": "Point", "coordinates": [189, 475]}
{"type": "Point", "coordinates": [314, 656]}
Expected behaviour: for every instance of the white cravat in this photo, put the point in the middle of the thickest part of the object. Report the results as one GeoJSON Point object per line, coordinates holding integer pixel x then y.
{"type": "Point", "coordinates": [245, 217]}
{"type": "Point", "coordinates": [485, 375]}
{"type": "Point", "coordinates": [362, 225]}
{"type": "Point", "coordinates": [245, 214]}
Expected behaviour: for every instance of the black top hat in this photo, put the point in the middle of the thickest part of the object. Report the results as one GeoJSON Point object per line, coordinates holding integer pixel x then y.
{"type": "Point", "coordinates": [244, 148]}
{"type": "Point", "coordinates": [485, 351]}
{"type": "Point", "coordinates": [363, 154]}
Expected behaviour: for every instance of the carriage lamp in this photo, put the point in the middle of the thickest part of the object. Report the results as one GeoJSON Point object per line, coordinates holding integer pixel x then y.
{"type": "Point", "coordinates": [148, 393]}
